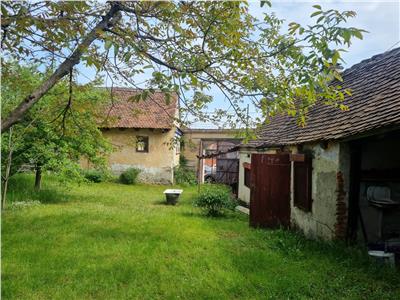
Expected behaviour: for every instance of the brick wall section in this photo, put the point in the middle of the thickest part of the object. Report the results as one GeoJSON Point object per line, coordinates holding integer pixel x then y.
{"type": "Point", "coordinates": [341, 208]}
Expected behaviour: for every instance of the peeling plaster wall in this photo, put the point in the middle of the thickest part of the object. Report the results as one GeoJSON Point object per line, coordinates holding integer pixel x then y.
{"type": "Point", "coordinates": [322, 221]}
{"type": "Point", "coordinates": [156, 165]}
{"type": "Point", "coordinates": [330, 166]}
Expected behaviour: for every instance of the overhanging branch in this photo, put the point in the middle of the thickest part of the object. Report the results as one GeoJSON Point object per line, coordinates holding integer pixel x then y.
{"type": "Point", "coordinates": [108, 21]}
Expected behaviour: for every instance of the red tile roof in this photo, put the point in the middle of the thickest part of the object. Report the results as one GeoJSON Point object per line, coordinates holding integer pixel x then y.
{"type": "Point", "coordinates": [374, 104]}
{"type": "Point", "coordinates": [154, 112]}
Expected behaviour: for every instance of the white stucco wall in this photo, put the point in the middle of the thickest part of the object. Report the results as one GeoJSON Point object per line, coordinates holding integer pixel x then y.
{"type": "Point", "coordinates": [243, 191]}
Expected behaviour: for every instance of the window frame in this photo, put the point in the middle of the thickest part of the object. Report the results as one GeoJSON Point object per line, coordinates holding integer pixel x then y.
{"type": "Point", "coordinates": [302, 180]}
{"type": "Point", "coordinates": [247, 175]}
{"type": "Point", "coordinates": [145, 139]}
{"type": "Point", "coordinates": [178, 147]}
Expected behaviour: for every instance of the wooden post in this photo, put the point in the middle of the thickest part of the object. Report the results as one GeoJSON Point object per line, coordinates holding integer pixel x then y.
{"type": "Point", "coordinates": [199, 165]}
{"type": "Point", "coordinates": [198, 175]}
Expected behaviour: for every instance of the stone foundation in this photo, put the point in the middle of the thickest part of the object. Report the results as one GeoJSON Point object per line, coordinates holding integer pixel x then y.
{"type": "Point", "coordinates": [147, 175]}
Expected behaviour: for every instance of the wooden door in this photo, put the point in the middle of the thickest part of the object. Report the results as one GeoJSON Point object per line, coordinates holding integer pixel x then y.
{"type": "Point", "coordinates": [270, 190]}
{"type": "Point", "coordinates": [228, 172]}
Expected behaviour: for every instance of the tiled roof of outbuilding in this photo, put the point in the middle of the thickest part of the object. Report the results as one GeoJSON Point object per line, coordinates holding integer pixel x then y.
{"type": "Point", "coordinates": [154, 112]}
{"type": "Point", "coordinates": [374, 104]}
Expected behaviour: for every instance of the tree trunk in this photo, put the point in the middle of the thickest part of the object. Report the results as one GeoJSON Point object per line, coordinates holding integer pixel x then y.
{"type": "Point", "coordinates": [7, 174]}
{"type": "Point", "coordinates": [108, 21]}
{"type": "Point", "coordinates": [4, 196]}
{"type": "Point", "coordinates": [38, 178]}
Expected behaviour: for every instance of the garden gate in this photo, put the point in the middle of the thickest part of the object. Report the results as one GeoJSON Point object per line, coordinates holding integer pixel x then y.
{"type": "Point", "coordinates": [220, 162]}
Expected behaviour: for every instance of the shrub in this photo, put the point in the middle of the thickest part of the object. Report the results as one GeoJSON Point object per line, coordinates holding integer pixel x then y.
{"type": "Point", "coordinates": [94, 175]}
{"type": "Point", "coordinates": [184, 175]}
{"type": "Point", "coordinates": [183, 161]}
{"type": "Point", "coordinates": [214, 199]}
{"type": "Point", "coordinates": [129, 176]}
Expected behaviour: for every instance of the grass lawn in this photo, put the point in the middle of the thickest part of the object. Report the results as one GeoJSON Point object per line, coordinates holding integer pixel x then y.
{"type": "Point", "coordinates": [110, 241]}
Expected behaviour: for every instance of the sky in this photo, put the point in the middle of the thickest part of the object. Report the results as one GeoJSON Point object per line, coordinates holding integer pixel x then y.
{"type": "Point", "coordinates": [380, 18]}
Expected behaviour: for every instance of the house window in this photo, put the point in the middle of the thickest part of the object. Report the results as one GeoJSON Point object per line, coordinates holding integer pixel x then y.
{"type": "Point", "coordinates": [142, 144]}
{"type": "Point", "coordinates": [302, 174]}
{"type": "Point", "coordinates": [247, 174]}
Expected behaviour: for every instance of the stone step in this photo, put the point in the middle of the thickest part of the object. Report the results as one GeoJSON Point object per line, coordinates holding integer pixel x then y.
{"type": "Point", "coordinates": [243, 209]}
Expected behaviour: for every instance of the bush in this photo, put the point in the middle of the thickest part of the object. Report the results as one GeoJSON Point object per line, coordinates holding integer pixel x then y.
{"type": "Point", "coordinates": [184, 175]}
{"type": "Point", "coordinates": [129, 176]}
{"type": "Point", "coordinates": [95, 175]}
{"type": "Point", "coordinates": [183, 160]}
{"type": "Point", "coordinates": [214, 199]}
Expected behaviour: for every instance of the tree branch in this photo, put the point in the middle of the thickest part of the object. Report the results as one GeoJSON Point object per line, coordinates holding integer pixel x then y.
{"type": "Point", "coordinates": [108, 21]}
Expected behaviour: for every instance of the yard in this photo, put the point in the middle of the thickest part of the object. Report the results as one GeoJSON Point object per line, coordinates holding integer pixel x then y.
{"type": "Point", "coordinates": [111, 241]}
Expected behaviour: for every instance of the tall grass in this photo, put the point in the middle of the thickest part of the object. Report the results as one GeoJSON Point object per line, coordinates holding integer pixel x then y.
{"type": "Point", "coordinates": [21, 189]}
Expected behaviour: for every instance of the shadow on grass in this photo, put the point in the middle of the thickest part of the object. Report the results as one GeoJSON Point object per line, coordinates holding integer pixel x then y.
{"type": "Point", "coordinates": [21, 189]}
{"type": "Point", "coordinates": [161, 202]}
{"type": "Point", "coordinates": [203, 215]}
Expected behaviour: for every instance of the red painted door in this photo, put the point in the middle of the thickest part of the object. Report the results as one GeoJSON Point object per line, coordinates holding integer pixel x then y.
{"type": "Point", "coordinates": [270, 190]}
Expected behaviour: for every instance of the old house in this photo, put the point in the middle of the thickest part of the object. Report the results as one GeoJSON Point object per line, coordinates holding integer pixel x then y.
{"type": "Point", "coordinates": [142, 134]}
{"type": "Point", "coordinates": [339, 176]}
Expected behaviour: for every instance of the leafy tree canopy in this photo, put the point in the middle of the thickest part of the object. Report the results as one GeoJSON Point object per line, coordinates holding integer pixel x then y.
{"type": "Point", "coordinates": [57, 132]}
{"type": "Point", "coordinates": [185, 46]}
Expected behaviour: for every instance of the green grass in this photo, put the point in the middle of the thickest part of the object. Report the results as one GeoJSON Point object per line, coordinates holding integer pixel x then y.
{"type": "Point", "coordinates": [112, 241]}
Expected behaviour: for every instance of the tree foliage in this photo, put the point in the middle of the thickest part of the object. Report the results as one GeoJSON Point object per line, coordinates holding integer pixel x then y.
{"type": "Point", "coordinates": [57, 132]}
{"type": "Point", "coordinates": [185, 47]}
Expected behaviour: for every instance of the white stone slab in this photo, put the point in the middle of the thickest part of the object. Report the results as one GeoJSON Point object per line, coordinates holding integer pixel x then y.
{"type": "Point", "coordinates": [243, 209]}
{"type": "Point", "coordinates": [173, 191]}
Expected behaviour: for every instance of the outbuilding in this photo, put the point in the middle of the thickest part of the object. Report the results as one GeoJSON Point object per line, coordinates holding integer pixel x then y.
{"type": "Point", "coordinates": [338, 176]}
{"type": "Point", "coordinates": [144, 134]}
